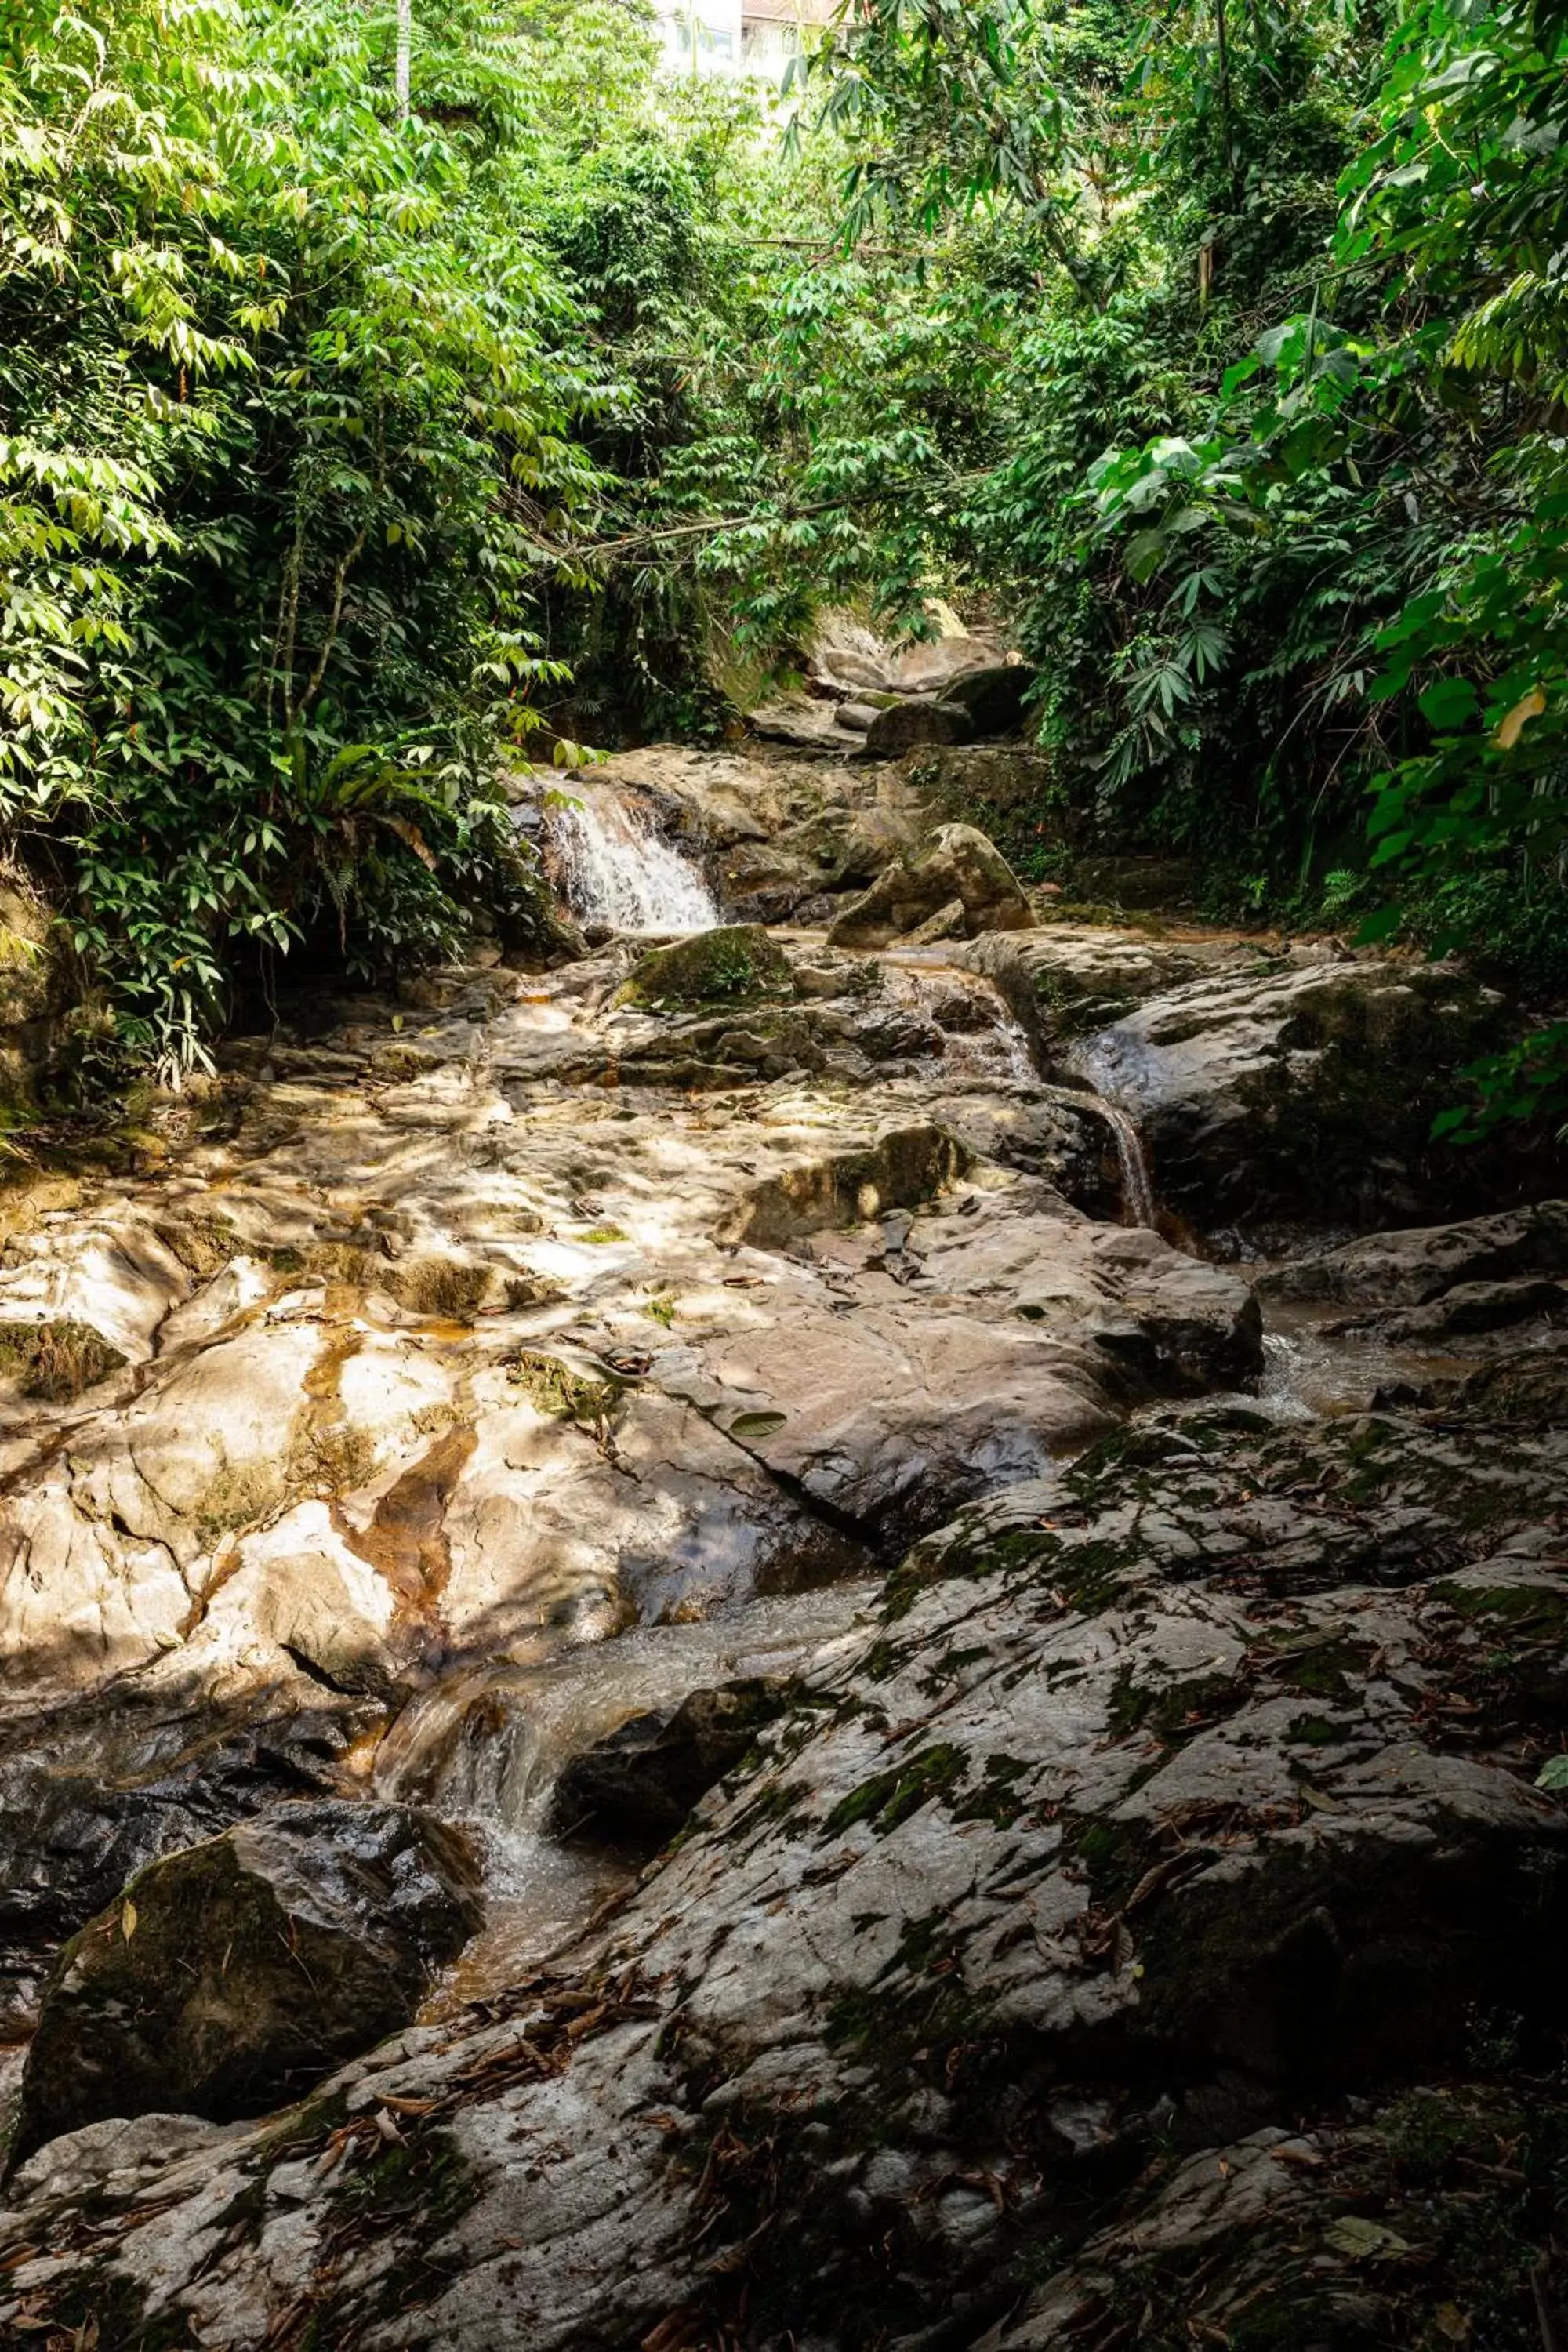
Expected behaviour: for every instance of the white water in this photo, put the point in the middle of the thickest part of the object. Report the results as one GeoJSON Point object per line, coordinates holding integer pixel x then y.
{"type": "Point", "coordinates": [614, 867]}
{"type": "Point", "coordinates": [1137, 1181]}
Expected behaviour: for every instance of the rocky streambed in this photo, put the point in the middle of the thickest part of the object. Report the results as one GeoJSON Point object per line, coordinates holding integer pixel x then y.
{"type": "Point", "coordinates": [668, 1684]}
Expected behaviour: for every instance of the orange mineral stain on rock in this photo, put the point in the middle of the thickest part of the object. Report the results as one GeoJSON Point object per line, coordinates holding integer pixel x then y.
{"type": "Point", "coordinates": [405, 1541]}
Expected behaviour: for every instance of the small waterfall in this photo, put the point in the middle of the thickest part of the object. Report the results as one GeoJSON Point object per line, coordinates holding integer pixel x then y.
{"type": "Point", "coordinates": [1100, 1069]}
{"type": "Point", "coordinates": [614, 867]}
{"type": "Point", "coordinates": [484, 1745]}
{"type": "Point", "coordinates": [1137, 1181]}
{"type": "Point", "coordinates": [983, 1042]}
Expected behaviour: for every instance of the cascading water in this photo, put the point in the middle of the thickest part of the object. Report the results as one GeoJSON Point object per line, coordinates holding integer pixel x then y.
{"type": "Point", "coordinates": [614, 867]}
{"type": "Point", "coordinates": [1137, 1182]}
{"type": "Point", "coordinates": [484, 1746]}
{"type": "Point", "coordinates": [1101, 1070]}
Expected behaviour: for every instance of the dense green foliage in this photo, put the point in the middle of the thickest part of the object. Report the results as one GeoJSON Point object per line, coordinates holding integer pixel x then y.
{"type": "Point", "coordinates": [1279, 406]}
{"type": "Point", "coordinates": [287, 407]}
{"type": "Point", "coordinates": [1220, 346]}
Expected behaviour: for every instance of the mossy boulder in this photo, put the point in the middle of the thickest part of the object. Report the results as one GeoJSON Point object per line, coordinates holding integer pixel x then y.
{"type": "Point", "coordinates": [731, 965]}
{"type": "Point", "coordinates": [55, 1360]}
{"type": "Point", "coordinates": [905, 723]}
{"type": "Point", "coordinates": [228, 1978]}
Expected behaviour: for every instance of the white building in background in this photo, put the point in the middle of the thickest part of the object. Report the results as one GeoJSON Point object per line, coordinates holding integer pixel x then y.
{"type": "Point", "coordinates": [772, 32]}
{"type": "Point", "coordinates": [737, 36]}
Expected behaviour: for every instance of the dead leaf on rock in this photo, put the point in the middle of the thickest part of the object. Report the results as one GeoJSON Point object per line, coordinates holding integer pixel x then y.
{"type": "Point", "coordinates": [1365, 2241]}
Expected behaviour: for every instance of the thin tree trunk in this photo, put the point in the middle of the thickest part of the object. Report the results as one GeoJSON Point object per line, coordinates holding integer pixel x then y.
{"type": "Point", "coordinates": [405, 50]}
{"type": "Point", "coordinates": [1226, 112]}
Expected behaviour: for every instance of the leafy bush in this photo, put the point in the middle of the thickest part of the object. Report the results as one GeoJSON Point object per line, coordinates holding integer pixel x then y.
{"type": "Point", "coordinates": [286, 404]}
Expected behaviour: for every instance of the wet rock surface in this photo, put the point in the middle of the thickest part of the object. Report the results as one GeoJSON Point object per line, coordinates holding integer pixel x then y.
{"type": "Point", "coordinates": [1068, 1710]}
{"type": "Point", "coordinates": [1426, 1263]}
{"type": "Point", "coordinates": [89, 1797]}
{"type": "Point", "coordinates": [229, 1976]}
{"type": "Point", "coordinates": [1301, 1088]}
{"type": "Point", "coordinates": [1172, 1794]}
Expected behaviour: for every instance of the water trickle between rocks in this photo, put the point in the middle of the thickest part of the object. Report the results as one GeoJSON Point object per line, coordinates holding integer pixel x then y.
{"type": "Point", "coordinates": [1132, 1159]}
{"type": "Point", "coordinates": [1097, 1061]}
{"type": "Point", "coordinates": [484, 1748]}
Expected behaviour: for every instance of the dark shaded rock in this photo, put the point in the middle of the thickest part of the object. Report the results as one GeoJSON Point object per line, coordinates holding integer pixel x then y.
{"type": "Point", "coordinates": [1530, 1386]}
{"type": "Point", "coordinates": [92, 1796]}
{"type": "Point", "coordinates": [1162, 1343]}
{"type": "Point", "coordinates": [730, 965]}
{"type": "Point", "coordinates": [993, 696]}
{"type": "Point", "coordinates": [1303, 1091]}
{"type": "Point", "coordinates": [231, 1975]}
{"type": "Point", "coordinates": [1135, 882]}
{"type": "Point", "coordinates": [1401, 2224]}
{"type": "Point", "coordinates": [638, 1787]}
{"type": "Point", "coordinates": [904, 725]}
{"type": "Point", "coordinates": [1469, 1308]}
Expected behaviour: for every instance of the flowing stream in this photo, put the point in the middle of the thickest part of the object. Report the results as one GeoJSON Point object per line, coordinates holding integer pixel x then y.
{"type": "Point", "coordinates": [549, 1179]}
{"type": "Point", "coordinates": [615, 870]}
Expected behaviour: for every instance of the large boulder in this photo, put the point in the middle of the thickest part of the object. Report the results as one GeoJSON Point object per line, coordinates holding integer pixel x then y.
{"type": "Point", "coordinates": [730, 965]}
{"type": "Point", "coordinates": [1419, 1263]}
{"type": "Point", "coordinates": [1066, 980]}
{"type": "Point", "coordinates": [994, 696]}
{"type": "Point", "coordinates": [119, 1781]}
{"type": "Point", "coordinates": [899, 726]}
{"type": "Point", "coordinates": [1302, 1091]}
{"type": "Point", "coordinates": [229, 1977]}
{"type": "Point", "coordinates": [961, 865]}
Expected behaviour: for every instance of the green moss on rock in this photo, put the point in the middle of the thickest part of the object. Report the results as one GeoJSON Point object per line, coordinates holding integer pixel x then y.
{"type": "Point", "coordinates": [889, 1798]}
{"type": "Point", "coordinates": [558, 1390]}
{"type": "Point", "coordinates": [56, 1362]}
{"type": "Point", "coordinates": [728, 966]}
